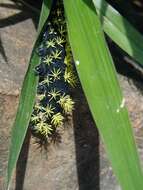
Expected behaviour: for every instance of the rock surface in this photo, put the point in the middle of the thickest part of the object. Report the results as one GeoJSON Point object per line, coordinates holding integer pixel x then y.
{"type": "Point", "coordinates": [79, 160]}
{"type": "Point", "coordinates": [17, 35]}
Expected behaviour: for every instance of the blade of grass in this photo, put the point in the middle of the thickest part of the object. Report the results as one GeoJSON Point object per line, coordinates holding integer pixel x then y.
{"type": "Point", "coordinates": [120, 30]}
{"type": "Point", "coordinates": [44, 14]}
{"type": "Point", "coordinates": [98, 78]}
{"type": "Point", "coordinates": [26, 101]}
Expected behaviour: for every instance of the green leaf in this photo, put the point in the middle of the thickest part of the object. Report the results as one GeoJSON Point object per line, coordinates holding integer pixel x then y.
{"type": "Point", "coordinates": [98, 78]}
{"type": "Point", "coordinates": [44, 14]}
{"type": "Point", "coordinates": [120, 30]}
{"type": "Point", "coordinates": [26, 101]}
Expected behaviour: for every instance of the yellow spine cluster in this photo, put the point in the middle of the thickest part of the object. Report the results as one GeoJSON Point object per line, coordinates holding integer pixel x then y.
{"type": "Point", "coordinates": [56, 75]}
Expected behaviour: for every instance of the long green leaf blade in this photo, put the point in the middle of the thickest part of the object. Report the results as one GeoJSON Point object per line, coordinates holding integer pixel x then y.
{"type": "Point", "coordinates": [98, 78]}
{"type": "Point", "coordinates": [26, 101]}
{"type": "Point", "coordinates": [120, 30]}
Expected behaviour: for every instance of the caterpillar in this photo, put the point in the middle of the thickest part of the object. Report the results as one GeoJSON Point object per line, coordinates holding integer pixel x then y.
{"type": "Point", "coordinates": [56, 74]}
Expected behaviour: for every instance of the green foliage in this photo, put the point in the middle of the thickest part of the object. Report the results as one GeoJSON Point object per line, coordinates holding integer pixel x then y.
{"type": "Point", "coordinates": [98, 78]}
{"type": "Point", "coordinates": [99, 81]}
{"type": "Point", "coordinates": [26, 101]}
{"type": "Point", "coordinates": [120, 30]}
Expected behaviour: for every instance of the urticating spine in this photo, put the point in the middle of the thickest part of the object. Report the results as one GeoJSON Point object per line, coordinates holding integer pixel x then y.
{"type": "Point", "coordinates": [56, 77]}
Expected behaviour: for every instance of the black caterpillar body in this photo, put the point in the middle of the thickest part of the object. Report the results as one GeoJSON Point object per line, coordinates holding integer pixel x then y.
{"type": "Point", "coordinates": [56, 77]}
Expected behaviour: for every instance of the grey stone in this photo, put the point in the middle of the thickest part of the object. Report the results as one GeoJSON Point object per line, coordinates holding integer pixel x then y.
{"type": "Point", "coordinates": [79, 160]}
{"type": "Point", "coordinates": [16, 41]}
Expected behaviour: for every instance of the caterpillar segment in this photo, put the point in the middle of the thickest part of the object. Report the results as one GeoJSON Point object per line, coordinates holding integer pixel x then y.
{"type": "Point", "coordinates": [56, 76]}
